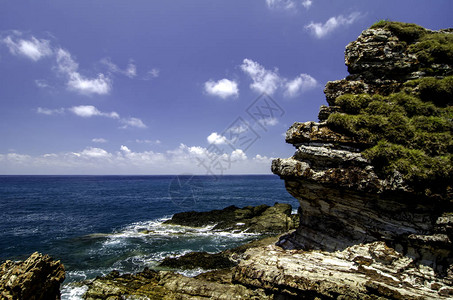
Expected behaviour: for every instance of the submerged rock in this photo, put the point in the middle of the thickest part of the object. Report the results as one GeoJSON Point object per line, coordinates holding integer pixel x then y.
{"type": "Point", "coordinates": [37, 278]}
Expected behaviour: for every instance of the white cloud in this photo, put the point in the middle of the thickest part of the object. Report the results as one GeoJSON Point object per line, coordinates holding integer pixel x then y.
{"type": "Point", "coordinates": [47, 111]}
{"type": "Point", "coordinates": [131, 70]}
{"type": "Point", "coordinates": [33, 48]}
{"type": "Point", "coordinates": [269, 81]}
{"type": "Point", "coordinates": [87, 111]}
{"type": "Point", "coordinates": [41, 83]}
{"type": "Point", "coordinates": [99, 140]}
{"type": "Point", "coordinates": [262, 159]}
{"type": "Point", "coordinates": [87, 86]}
{"type": "Point", "coordinates": [132, 122]}
{"type": "Point", "coordinates": [93, 152]}
{"type": "Point", "coordinates": [320, 30]}
{"type": "Point", "coordinates": [281, 4]}
{"type": "Point", "coordinates": [299, 84]}
{"type": "Point", "coordinates": [307, 3]}
{"type": "Point", "coordinates": [270, 121]}
{"type": "Point", "coordinates": [223, 88]}
{"type": "Point", "coordinates": [216, 139]}
{"type": "Point", "coordinates": [125, 149]}
{"type": "Point", "coordinates": [100, 85]}
{"type": "Point", "coordinates": [238, 154]}
{"type": "Point", "coordinates": [264, 81]}
{"type": "Point", "coordinates": [156, 142]}
{"type": "Point", "coordinates": [95, 160]}
{"type": "Point", "coordinates": [151, 74]}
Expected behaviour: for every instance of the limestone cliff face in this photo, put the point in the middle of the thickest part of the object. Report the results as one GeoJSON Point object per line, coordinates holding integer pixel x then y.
{"type": "Point", "coordinates": [344, 199]}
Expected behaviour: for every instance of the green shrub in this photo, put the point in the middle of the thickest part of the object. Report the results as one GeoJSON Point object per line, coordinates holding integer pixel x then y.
{"type": "Point", "coordinates": [434, 48]}
{"type": "Point", "coordinates": [406, 32]}
{"type": "Point", "coordinates": [410, 132]}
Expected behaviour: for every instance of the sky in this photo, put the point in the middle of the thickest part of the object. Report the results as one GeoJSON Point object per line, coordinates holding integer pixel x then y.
{"type": "Point", "coordinates": [173, 87]}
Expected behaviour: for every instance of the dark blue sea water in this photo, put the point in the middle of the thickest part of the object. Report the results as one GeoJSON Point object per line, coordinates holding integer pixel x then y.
{"type": "Point", "coordinates": [96, 224]}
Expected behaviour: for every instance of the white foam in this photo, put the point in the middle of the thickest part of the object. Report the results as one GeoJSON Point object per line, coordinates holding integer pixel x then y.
{"type": "Point", "coordinates": [72, 292]}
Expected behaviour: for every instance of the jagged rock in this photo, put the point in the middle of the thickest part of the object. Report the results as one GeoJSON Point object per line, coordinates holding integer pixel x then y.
{"type": "Point", "coordinates": [362, 271]}
{"type": "Point", "coordinates": [259, 219]}
{"type": "Point", "coordinates": [169, 285]}
{"type": "Point", "coordinates": [345, 203]}
{"type": "Point", "coordinates": [38, 277]}
{"type": "Point", "coordinates": [214, 261]}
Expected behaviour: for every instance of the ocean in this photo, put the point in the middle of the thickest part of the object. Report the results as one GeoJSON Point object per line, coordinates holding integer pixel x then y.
{"type": "Point", "coordinates": [96, 224]}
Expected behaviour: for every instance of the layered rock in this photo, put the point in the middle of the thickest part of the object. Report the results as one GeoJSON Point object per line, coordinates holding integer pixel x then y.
{"type": "Point", "coordinates": [347, 206]}
{"type": "Point", "coordinates": [370, 271]}
{"type": "Point", "coordinates": [38, 277]}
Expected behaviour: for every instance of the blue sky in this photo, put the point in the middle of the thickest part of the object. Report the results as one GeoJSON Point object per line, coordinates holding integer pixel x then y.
{"type": "Point", "coordinates": [172, 87]}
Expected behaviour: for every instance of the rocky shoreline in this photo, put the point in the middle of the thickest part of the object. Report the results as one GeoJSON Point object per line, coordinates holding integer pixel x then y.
{"type": "Point", "coordinates": [373, 179]}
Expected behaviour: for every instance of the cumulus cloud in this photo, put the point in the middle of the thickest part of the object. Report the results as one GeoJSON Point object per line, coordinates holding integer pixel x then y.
{"type": "Point", "coordinates": [320, 30]}
{"type": "Point", "coordinates": [132, 122]}
{"type": "Point", "coordinates": [96, 160]}
{"type": "Point", "coordinates": [216, 139]}
{"type": "Point", "coordinates": [238, 154]}
{"type": "Point", "coordinates": [87, 111]}
{"type": "Point", "coordinates": [87, 86]}
{"type": "Point", "coordinates": [93, 152]}
{"type": "Point", "coordinates": [307, 3]}
{"type": "Point", "coordinates": [223, 88]}
{"type": "Point", "coordinates": [264, 81]}
{"type": "Point", "coordinates": [268, 81]}
{"type": "Point", "coordinates": [32, 48]}
{"type": "Point", "coordinates": [299, 84]}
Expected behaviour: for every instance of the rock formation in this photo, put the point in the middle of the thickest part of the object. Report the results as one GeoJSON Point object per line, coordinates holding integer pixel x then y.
{"type": "Point", "coordinates": [37, 278]}
{"type": "Point", "coordinates": [351, 200]}
{"type": "Point", "coordinates": [263, 219]}
{"type": "Point", "coordinates": [374, 181]}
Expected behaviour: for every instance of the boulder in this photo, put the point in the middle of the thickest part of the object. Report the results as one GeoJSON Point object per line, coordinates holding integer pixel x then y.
{"type": "Point", "coordinates": [37, 278]}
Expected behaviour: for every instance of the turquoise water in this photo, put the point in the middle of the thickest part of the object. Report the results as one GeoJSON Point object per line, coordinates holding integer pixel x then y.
{"type": "Point", "coordinates": [96, 224]}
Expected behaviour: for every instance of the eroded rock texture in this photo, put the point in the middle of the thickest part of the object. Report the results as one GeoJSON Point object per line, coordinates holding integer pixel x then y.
{"type": "Point", "coordinates": [347, 206]}
{"type": "Point", "coordinates": [37, 278]}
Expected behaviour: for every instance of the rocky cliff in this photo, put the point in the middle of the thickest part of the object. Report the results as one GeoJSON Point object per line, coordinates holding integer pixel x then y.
{"type": "Point", "coordinates": [37, 278]}
{"type": "Point", "coordinates": [374, 182]}
{"type": "Point", "coordinates": [377, 167]}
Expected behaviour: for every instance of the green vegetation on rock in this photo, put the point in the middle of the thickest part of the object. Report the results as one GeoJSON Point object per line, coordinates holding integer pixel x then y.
{"type": "Point", "coordinates": [429, 47]}
{"type": "Point", "coordinates": [411, 130]}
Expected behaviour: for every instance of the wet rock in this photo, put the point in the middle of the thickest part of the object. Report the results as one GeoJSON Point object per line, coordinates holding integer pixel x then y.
{"type": "Point", "coordinates": [259, 219]}
{"type": "Point", "coordinates": [169, 285]}
{"type": "Point", "coordinates": [37, 278]}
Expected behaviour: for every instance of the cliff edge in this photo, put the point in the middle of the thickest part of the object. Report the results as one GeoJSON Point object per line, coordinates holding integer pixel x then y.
{"type": "Point", "coordinates": [377, 167]}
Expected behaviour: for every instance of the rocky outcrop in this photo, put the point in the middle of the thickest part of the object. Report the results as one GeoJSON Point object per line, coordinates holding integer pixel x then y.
{"type": "Point", "coordinates": [169, 285]}
{"type": "Point", "coordinates": [38, 277]}
{"type": "Point", "coordinates": [363, 271]}
{"type": "Point", "coordinates": [348, 207]}
{"type": "Point", "coordinates": [364, 232]}
{"type": "Point", "coordinates": [253, 219]}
